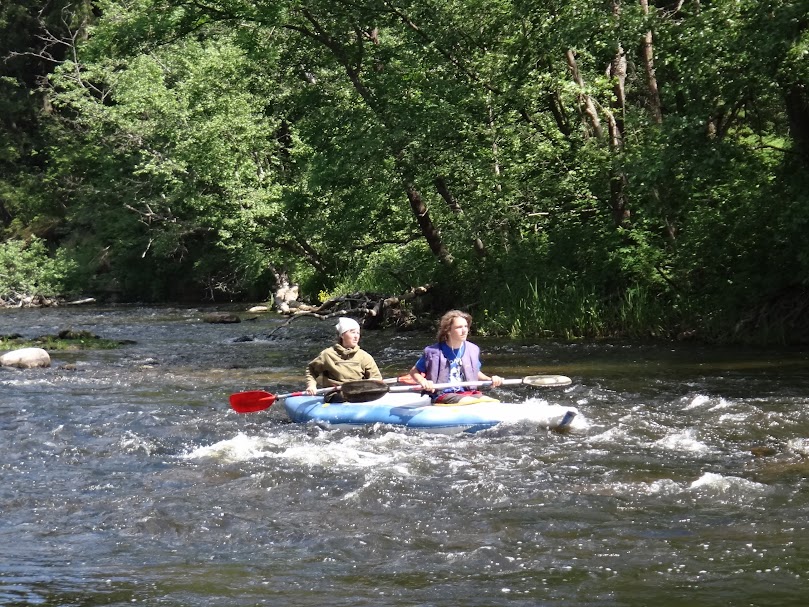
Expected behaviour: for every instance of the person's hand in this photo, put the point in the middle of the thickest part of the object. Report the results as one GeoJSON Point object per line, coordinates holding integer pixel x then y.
{"type": "Point", "coordinates": [427, 386]}
{"type": "Point", "coordinates": [310, 391]}
{"type": "Point", "coordinates": [496, 381]}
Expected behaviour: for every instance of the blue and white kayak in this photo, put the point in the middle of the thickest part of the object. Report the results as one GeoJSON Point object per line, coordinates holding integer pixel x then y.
{"type": "Point", "coordinates": [417, 412]}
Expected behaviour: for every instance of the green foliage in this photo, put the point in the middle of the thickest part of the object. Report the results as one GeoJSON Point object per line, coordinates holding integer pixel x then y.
{"type": "Point", "coordinates": [392, 269]}
{"type": "Point", "coordinates": [570, 288]}
{"type": "Point", "coordinates": [572, 311]}
{"type": "Point", "coordinates": [185, 134]}
{"type": "Point", "coordinates": [199, 150]}
{"type": "Point", "coordinates": [26, 269]}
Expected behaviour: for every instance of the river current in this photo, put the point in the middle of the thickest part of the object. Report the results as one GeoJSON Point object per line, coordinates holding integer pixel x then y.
{"type": "Point", "coordinates": [125, 477]}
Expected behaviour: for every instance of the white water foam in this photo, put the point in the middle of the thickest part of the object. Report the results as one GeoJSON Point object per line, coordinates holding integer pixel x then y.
{"type": "Point", "coordinates": [340, 453]}
{"type": "Point", "coordinates": [131, 443]}
{"type": "Point", "coordinates": [542, 413]}
{"type": "Point", "coordinates": [683, 442]}
{"type": "Point", "coordinates": [610, 436]}
{"type": "Point", "coordinates": [659, 487]}
{"type": "Point", "coordinates": [727, 484]}
{"type": "Point", "coordinates": [799, 445]}
{"type": "Point", "coordinates": [702, 400]}
{"type": "Point", "coordinates": [698, 401]}
{"type": "Point", "coordinates": [358, 452]}
{"type": "Point", "coordinates": [237, 449]}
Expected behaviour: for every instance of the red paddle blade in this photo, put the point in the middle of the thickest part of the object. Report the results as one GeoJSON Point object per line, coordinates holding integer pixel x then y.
{"type": "Point", "coordinates": [251, 401]}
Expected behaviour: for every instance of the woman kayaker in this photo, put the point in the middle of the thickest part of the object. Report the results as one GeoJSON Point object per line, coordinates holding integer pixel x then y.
{"type": "Point", "coordinates": [453, 360]}
{"type": "Point", "coordinates": [341, 362]}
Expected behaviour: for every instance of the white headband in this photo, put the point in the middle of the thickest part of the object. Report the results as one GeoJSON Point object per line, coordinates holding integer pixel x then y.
{"type": "Point", "coordinates": [346, 324]}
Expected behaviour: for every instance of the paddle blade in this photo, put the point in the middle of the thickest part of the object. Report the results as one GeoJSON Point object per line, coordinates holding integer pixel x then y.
{"type": "Point", "coordinates": [363, 390]}
{"type": "Point", "coordinates": [251, 401]}
{"type": "Point", "coordinates": [547, 380]}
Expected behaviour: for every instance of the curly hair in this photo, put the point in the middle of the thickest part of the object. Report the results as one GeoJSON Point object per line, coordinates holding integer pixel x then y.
{"type": "Point", "coordinates": [445, 324]}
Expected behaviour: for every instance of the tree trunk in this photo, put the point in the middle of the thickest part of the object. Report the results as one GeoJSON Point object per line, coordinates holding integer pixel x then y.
{"type": "Point", "coordinates": [588, 107]}
{"type": "Point", "coordinates": [495, 150]}
{"type": "Point", "coordinates": [620, 210]}
{"type": "Point", "coordinates": [557, 109]}
{"type": "Point", "coordinates": [797, 106]}
{"type": "Point", "coordinates": [655, 105]}
{"type": "Point", "coordinates": [428, 230]}
{"type": "Point", "coordinates": [615, 125]}
{"type": "Point", "coordinates": [303, 249]}
{"type": "Point", "coordinates": [5, 216]}
{"type": "Point", "coordinates": [617, 71]}
{"type": "Point", "coordinates": [351, 60]}
{"type": "Point", "coordinates": [443, 189]}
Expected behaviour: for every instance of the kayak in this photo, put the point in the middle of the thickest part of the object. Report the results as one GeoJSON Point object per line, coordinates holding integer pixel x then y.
{"type": "Point", "coordinates": [417, 412]}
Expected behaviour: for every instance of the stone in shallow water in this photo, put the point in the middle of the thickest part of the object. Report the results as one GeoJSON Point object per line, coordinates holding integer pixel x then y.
{"type": "Point", "coordinates": [26, 358]}
{"type": "Point", "coordinates": [221, 318]}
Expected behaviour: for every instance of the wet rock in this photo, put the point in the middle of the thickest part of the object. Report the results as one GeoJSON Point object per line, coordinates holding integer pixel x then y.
{"type": "Point", "coordinates": [146, 362]}
{"type": "Point", "coordinates": [26, 358]}
{"type": "Point", "coordinates": [221, 318]}
{"type": "Point", "coordinates": [71, 334]}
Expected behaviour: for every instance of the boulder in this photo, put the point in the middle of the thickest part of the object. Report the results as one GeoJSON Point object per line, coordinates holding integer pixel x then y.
{"type": "Point", "coordinates": [26, 358]}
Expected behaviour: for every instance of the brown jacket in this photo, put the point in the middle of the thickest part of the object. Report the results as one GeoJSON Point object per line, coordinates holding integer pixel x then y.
{"type": "Point", "coordinates": [336, 365]}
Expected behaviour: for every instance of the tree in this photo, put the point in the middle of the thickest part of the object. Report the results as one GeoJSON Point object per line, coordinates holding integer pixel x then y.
{"type": "Point", "coordinates": [502, 149]}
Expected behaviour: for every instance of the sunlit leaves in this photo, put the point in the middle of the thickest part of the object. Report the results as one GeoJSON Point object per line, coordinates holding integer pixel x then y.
{"type": "Point", "coordinates": [246, 134]}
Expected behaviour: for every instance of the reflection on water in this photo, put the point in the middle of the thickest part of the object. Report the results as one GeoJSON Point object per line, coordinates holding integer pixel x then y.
{"type": "Point", "coordinates": [127, 478]}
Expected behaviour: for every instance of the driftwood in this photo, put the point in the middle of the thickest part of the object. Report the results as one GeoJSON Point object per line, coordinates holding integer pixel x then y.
{"type": "Point", "coordinates": [20, 300]}
{"type": "Point", "coordinates": [372, 310]}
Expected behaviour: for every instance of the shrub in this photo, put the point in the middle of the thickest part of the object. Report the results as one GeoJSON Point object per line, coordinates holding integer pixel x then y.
{"type": "Point", "coordinates": [27, 269]}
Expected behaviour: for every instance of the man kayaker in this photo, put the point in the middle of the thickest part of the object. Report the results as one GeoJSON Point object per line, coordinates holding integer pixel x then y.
{"type": "Point", "coordinates": [452, 360]}
{"type": "Point", "coordinates": [342, 362]}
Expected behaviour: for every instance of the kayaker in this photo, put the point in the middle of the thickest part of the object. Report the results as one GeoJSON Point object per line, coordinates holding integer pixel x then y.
{"type": "Point", "coordinates": [341, 362]}
{"type": "Point", "coordinates": [452, 360]}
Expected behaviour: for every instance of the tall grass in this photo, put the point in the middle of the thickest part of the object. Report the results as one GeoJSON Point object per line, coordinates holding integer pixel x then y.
{"type": "Point", "coordinates": [573, 311]}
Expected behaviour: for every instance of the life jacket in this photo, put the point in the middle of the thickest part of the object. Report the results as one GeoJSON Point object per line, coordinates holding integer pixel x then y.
{"type": "Point", "coordinates": [437, 364]}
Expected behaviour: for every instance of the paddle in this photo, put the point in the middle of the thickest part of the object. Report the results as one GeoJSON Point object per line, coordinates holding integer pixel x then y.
{"type": "Point", "coordinates": [365, 390]}
{"type": "Point", "coordinates": [258, 400]}
{"type": "Point", "coordinates": [530, 380]}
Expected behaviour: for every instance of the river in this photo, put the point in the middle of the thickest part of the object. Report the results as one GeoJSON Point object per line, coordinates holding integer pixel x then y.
{"type": "Point", "coordinates": [127, 479]}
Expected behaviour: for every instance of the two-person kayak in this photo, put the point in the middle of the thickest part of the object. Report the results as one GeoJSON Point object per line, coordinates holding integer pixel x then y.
{"type": "Point", "coordinates": [417, 412]}
{"type": "Point", "coordinates": [376, 402]}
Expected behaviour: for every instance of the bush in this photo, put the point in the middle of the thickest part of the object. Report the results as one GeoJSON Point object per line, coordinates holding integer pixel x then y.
{"type": "Point", "coordinates": [27, 269]}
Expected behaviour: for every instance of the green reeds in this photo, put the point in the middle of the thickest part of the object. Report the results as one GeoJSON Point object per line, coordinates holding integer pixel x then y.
{"type": "Point", "coordinates": [572, 311]}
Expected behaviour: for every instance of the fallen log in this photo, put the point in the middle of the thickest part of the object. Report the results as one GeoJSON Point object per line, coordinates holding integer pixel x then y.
{"type": "Point", "coordinates": [372, 310]}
